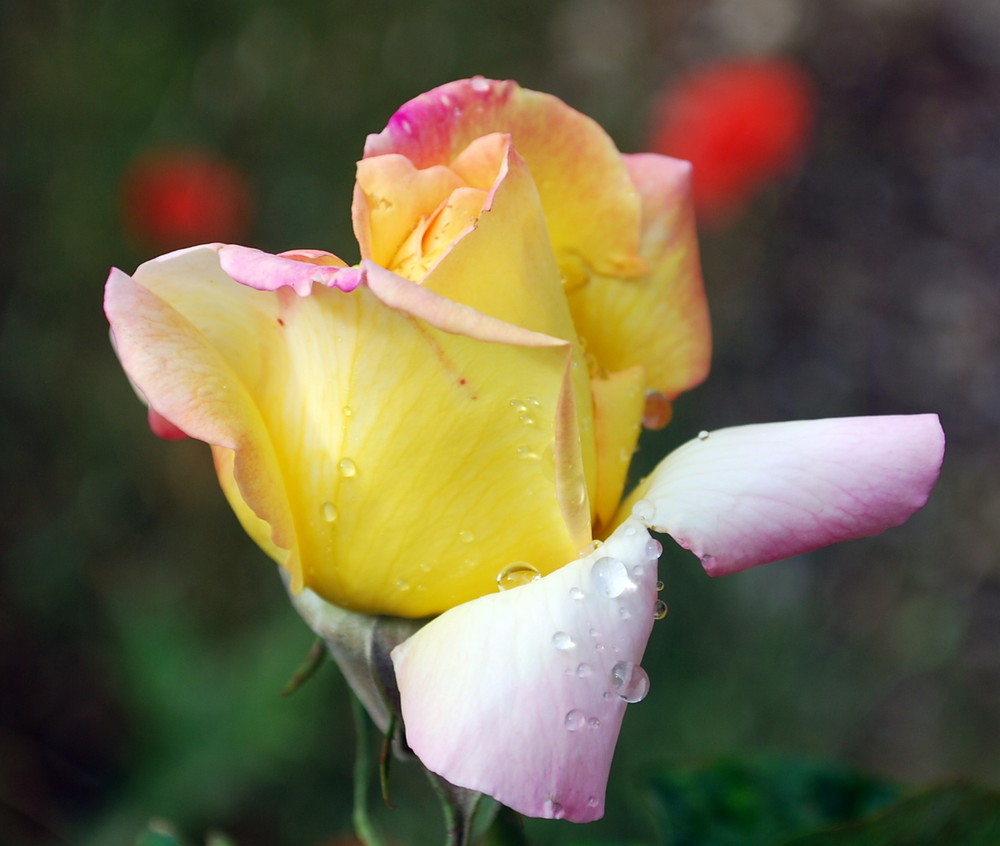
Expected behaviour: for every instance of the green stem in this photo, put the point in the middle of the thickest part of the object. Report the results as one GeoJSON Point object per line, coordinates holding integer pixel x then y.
{"type": "Point", "coordinates": [363, 826]}
{"type": "Point", "coordinates": [459, 807]}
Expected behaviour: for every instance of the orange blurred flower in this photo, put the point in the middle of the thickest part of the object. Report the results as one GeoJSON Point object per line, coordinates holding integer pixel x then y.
{"type": "Point", "coordinates": [176, 197]}
{"type": "Point", "coordinates": [741, 123]}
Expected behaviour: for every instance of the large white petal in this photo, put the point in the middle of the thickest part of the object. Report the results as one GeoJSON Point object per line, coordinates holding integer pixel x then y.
{"type": "Point", "coordinates": [520, 694]}
{"type": "Point", "coordinates": [752, 494]}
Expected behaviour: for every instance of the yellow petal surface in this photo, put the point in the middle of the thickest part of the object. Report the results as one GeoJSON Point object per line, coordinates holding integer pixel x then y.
{"type": "Point", "coordinates": [660, 320]}
{"type": "Point", "coordinates": [618, 405]}
{"type": "Point", "coordinates": [591, 206]}
{"type": "Point", "coordinates": [386, 450]}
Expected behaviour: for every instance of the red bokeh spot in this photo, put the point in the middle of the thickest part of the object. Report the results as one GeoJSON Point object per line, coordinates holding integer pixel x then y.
{"type": "Point", "coordinates": [741, 123]}
{"type": "Point", "coordinates": [178, 198]}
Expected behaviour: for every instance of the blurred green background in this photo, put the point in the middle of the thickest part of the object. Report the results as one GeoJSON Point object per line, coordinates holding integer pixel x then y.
{"type": "Point", "coordinates": [144, 640]}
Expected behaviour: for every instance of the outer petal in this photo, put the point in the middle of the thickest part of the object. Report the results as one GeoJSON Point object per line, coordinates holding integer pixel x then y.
{"type": "Point", "coordinates": [520, 694]}
{"type": "Point", "coordinates": [752, 494]}
{"type": "Point", "coordinates": [661, 319]}
{"type": "Point", "coordinates": [348, 411]}
{"type": "Point", "coordinates": [590, 203]}
{"type": "Point", "coordinates": [618, 405]}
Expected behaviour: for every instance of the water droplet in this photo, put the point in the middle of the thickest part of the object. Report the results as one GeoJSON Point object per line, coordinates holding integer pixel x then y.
{"type": "Point", "coordinates": [629, 531]}
{"type": "Point", "coordinates": [517, 574]}
{"type": "Point", "coordinates": [610, 577]}
{"type": "Point", "coordinates": [527, 419]}
{"type": "Point", "coordinates": [425, 567]}
{"type": "Point", "coordinates": [659, 586]}
{"type": "Point", "coordinates": [329, 512]}
{"type": "Point", "coordinates": [482, 85]}
{"type": "Point", "coordinates": [576, 593]}
{"type": "Point", "coordinates": [466, 536]}
{"type": "Point", "coordinates": [562, 640]}
{"type": "Point", "coordinates": [402, 585]}
{"type": "Point", "coordinates": [527, 452]}
{"type": "Point", "coordinates": [638, 571]}
{"type": "Point", "coordinates": [657, 412]}
{"type": "Point", "coordinates": [624, 613]}
{"type": "Point", "coordinates": [347, 468]}
{"type": "Point", "coordinates": [703, 435]}
{"type": "Point", "coordinates": [517, 405]}
{"type": "Point", "coordinates": [660, 610]}
{"type": "Point", "coordinates": [534, 401]}
{"type": "Point", "coordinates": [346, 410]}
{"type": "Point", "coordinates": [594, 723]}
{"type": "Point", "coordinates": [629, 681]}
{"type": "Point", "coordinates": [575, 720]}
{"type": "Point", "coordinates": [654, 549]}
{"type": "Point", "coordinates": [644, 511]}
{"type": "Point", "coordinates": [583, 670]}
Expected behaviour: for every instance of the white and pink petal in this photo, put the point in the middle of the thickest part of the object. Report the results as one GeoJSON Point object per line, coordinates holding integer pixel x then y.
{"type": "Point", "coordinates": [521, 694]}
{"type": "Point", "coordinates": [748, 495]}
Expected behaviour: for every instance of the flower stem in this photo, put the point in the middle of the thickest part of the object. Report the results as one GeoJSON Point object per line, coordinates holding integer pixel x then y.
{"type": "Point", "coordinates": [459, 806]}
{"type": "Point", "coordinates": [363, 827]}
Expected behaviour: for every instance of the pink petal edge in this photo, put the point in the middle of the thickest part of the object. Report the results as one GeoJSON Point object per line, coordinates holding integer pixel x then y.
{"type": "Point", "coordinates": [514, 694]}
{"type": "Point", "coordinates": [268, 272]}
{"type": "Point", "coordinates": [749, 495]}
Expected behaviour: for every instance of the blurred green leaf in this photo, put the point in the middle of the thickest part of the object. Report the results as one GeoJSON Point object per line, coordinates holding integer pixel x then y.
{"type": "Point", "coordinates": [160, 833]}
{"type": "Point", "coordinates": [954, 815]}
{"type": "Point", "coordinates": [760, 802]}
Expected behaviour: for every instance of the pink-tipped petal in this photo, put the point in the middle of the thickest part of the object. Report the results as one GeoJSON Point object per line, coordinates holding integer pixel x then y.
{"type": "Point", "coordinates": [297, 270]}
{"type": "Point", "coordinates": [520, 694]}
{"type": "Point", "coordinates": [591, 205]}
{"type": "Point", "coordinates": [749, 495]}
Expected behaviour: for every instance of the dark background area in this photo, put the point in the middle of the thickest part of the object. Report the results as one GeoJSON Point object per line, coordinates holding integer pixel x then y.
{"type": "Point", "coordinates": [144, 640]}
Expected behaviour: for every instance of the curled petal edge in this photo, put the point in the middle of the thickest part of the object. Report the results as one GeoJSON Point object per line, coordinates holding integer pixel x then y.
{"type": "Point", "coordinates": [749, 495]}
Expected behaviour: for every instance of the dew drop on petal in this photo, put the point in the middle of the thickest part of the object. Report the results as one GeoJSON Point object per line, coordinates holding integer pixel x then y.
{"type": "Point", "coordinates": [517, 574]}
{"type": "Point", "coordinates": [562, 640]}
{"type": "Point", "coordinates": [629, 681]}
{"type": "Point", "coordinates": [466, 536]}
{"type": "Point", "coordinates": [527, 452]}
{"type": "Point", "coordinates": [659, 586]}
{"type": "Point", "coordinates": [644, 511]}
{"type": "Point", "coordinates": [329, 511]}
{"type": "Point", "coordinates": [654, 549]}
{"type": "Point", "coordinates": [703, 435]}
{"type": "Point", "coordinates": [402, 585]}
{"type": "Point", "coordinates": [347, 412]}
{"type": "Point", "coordinates": [657, 412]}
{"type": "Point", "coordinates": [592, 802]}
{"type": "Point", "coordinates": [594, 723]}
{"type": "Point", "coordinates": [576, 593]}
{"type": "Point", "coordinates": [575, 720]}
{"type": "Point", "coordinates": [347, 468]}
{"type": "Point", "coordinates": [583, 670]}
{"type": "Point", "coordinates": [659, 610]}
{"type": "Point", "coordinates": [610, 577]}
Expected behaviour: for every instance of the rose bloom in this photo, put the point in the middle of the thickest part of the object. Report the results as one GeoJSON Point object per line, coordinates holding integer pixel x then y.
{"type": "Point", "coordinates": [445, 427]}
